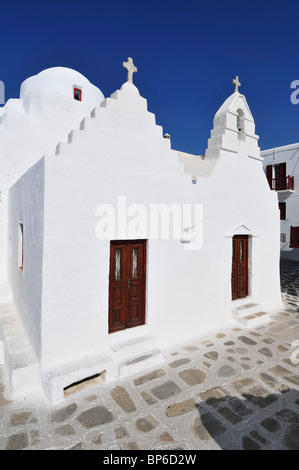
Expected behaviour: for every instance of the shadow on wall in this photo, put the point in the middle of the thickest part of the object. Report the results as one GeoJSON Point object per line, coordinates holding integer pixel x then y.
{"type": "Point", "coordinates": [257, 421]}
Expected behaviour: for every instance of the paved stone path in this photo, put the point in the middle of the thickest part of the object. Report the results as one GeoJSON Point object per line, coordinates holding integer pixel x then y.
{"type": "Point", "coordinates": [235, 389]}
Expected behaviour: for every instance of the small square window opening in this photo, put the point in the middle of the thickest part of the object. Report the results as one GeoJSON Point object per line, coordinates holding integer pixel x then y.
{"type": "Point", "coordinates": [282, 208]}
{"type": "Point", "coordinates": [77, 94]}
{"type": "Point", "coordinates": [21, 247]}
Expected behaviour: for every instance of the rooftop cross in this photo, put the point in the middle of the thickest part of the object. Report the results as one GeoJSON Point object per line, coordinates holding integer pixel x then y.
{"type": "Point", "coordinates": [236, 83]}
{"type": "Point", "coordinates": [130, 68]}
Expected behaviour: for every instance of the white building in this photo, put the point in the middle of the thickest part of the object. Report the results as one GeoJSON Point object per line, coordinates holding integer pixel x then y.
{"type": "Point", "coordinates": [281, 165]}
{"type": "Point", "coordinates": [95, 281]}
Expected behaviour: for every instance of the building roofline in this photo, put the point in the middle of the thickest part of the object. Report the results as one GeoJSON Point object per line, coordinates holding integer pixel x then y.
{"type": "Point", "coordinates": [280, 149]}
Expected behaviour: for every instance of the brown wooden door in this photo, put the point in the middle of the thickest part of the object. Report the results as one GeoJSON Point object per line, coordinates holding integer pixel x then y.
{"type": "Point", "coordinates": [240, 267]}
{"type": "Point", "coordinates": [127, 283]}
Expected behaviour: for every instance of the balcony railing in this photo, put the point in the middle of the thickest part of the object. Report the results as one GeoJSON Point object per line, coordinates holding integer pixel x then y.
{"type": "Point", "coordinates": [283, 183]}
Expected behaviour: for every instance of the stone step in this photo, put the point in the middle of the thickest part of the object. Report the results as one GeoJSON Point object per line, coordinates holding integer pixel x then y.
{"type": "Point", "coordinates": [247, 309]}
{"type": "Point", "coordinates": [254, 319]}
{"type": "Point", "coordinates": [132, 347]}
{"type": "Point", "coordinates": [22, 367]}
{"type": "Point", "coordinates": [136, 354]}
{"type": "Point", "coordinates": [250, 314]}
{"type": "Point", "coordinates": [140, 362]}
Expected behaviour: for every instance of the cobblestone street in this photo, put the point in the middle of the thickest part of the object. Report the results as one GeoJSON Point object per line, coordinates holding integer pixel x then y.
{"type": "Point", "coordinates": [236, 389]}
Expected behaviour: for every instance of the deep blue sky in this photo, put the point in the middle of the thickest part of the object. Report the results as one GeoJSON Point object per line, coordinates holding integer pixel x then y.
{"type": "Point", "coordinates": [187, 53]}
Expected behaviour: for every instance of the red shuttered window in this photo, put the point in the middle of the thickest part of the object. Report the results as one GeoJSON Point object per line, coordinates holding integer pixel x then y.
{"type": "Point", "coordinates": [294, 237]}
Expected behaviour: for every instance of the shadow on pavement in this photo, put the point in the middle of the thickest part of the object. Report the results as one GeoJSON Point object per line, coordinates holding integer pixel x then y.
{"type": "Point", "coordinates": [254, 421]}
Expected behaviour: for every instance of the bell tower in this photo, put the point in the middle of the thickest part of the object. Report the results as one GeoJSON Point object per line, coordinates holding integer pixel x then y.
{"type": "Point", "coordinates": [233, 128]}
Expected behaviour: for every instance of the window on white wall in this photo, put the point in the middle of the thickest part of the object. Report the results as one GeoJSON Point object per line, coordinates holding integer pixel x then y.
{"type": "Point", "coordinates": [294, 237]}
{"type": "Point", "coordinates": [78, 94]}
{"type": "Point", "coordinates": [241, 124]}
{"type": "Point", "coordinates": [21, 247]}
{"type": "Point", "coordinates": [282, 208]}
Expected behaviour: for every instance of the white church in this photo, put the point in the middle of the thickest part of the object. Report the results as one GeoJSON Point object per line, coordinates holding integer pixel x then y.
{"type": "Point", "coordinates": [113, 245]}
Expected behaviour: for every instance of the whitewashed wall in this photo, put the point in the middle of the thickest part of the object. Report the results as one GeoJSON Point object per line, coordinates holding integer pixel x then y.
{"type": "Point", "coordinates": [120, 151]}
{"type": "Point", "coordinates": [26, 206]}
{"type": "Point", "coordinates": [33, 125]}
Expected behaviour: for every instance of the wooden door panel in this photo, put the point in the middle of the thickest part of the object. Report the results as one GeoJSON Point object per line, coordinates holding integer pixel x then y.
{"type": "Point", "coordinates": [127, 284]}
{"type": "Point", "coordinates": [134, 291]}
{"type": "Point", "coordinates": [117, 294]}
{"type": "Point", "coordinates": [234, 270]}
{"type": "Point", "coordinates": [136, 271]}
{"type": "Point", "coordinates": [117, 278]}
{"type": "Point", "coordinates": [240, 267]}
{"type": "Point", "coordinates": [134, 315]}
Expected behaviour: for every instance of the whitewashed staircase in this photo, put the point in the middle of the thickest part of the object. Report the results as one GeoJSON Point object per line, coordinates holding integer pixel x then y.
{"type": "Point", "coordinates": [98, 115]}
{"type": "Point", "coordinates": [249, 313]}
{"type": "Point", "coordinates": [136, 354]}
{"type": "Point", "coordinates": [22, 366]}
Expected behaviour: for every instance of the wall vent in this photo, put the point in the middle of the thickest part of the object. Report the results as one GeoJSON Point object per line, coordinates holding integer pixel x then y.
{"type": "Point", "coordinates": [283, 238]}
{"type": "Point", "coordinates": [79, 385]}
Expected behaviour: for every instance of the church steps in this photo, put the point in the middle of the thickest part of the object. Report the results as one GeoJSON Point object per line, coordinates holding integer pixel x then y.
{"type": "Point", "coordinates": [249, 313]}
{"type": "Point", "coordinates": [94, 119]}
{"type": "Point", "coordinates": [136, 354]}
{"type": "Point", "coordinates": [73, 134]}
{"type": "Point", "coordinates": [97, 113]}
{"type": "Point", "coordinates": [70, 137]}
{"type": "Point", "coordinates": [60, 147]}
{"type": "Point", "coordinates": [148, 359]}
{"type": "Point", "coordinates": [22, 364]}
{"type": "Point", "coordinates": [82, 124]}
{"type": "Point", "coordinates": [125, 349]}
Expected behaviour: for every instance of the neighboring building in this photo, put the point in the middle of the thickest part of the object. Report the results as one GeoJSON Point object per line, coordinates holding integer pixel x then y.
{"type": "Point", "coordinates": [99, 281]}
{"type": "Point", "coordinates": [281, 166]}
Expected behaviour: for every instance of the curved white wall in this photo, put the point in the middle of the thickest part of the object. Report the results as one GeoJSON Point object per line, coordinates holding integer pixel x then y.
{"type": "Point", "coordinates": [32, 126]}
{"type": "Point", "coordinates": [62, 80]}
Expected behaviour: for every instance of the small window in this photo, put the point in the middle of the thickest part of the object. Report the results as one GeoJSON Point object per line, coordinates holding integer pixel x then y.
{"type": "Point", "coordinates": [135, 260]}
{"type": "Point", "coordinates": [294, 237]}
{"type": "Point", "coordinates": [241, 124]}
{"type": "Point", "coordinates": [21, 247]}
{"type": "Point", "coordinates": [283, 237]}
{"type": "Point", "coordinates": [77, 94]}
{"type": "Point", "coordinates": [117, 263]}
{"type": "Point", "coordinates": [282, 208]}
